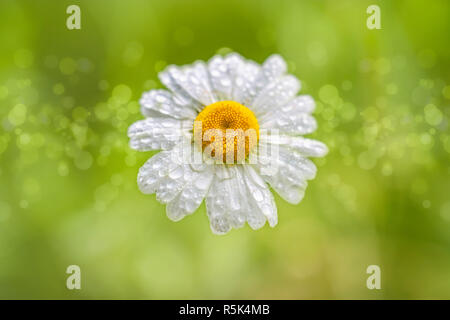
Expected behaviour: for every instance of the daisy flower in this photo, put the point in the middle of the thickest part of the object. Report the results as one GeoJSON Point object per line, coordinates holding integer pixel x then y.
{"type": "Point", "coordinates": [228, 129]}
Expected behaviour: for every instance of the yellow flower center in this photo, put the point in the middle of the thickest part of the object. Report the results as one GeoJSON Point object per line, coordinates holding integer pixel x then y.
{"type": "Point", "coordinates": [231, 121]}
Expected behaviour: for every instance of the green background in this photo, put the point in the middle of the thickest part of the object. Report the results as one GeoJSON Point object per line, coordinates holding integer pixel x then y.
{"type": "Point", "coordinates": [68, 192]}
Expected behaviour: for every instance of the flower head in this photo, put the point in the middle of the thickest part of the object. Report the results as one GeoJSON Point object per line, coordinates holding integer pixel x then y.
{"type": "Point", "coordinates": [227, 129]}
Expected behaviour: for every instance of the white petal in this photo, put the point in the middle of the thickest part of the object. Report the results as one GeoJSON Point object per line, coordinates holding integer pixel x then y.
{"type": "Point", "coordinates": [181, 96]}
{"type": "Point", "coordinates": [275, 94]}
{"type": "Point", "coordinates": [274, 67]}
{"type": "Point", "coordinates": [222, 72]}
{"type": "Point", "coordinates": [303, 103]}
{"type": "Point", "coordinates": [165, 174]}
{"type": "Point", "coordinates": [289, 122]}
{"type": "Point", "coordinates": [171, 185]}
{"type": "Point", "coordinates": [220, 78]}
{"type": "Point", "coordinates": [191, 82]}
{"type": "Point", "coordinates": [262, 199]}
{"type": "Point", "coordinates": [156, 133]}
{"type": "Point", "coordinates": [292, 118]}
{"type": "Point", "coordinates": [190, 198]}
{"type": "Point", "coordinates": [286, 172]}
{"type": "Point", "coordinates": [245, 83]}
{"type": "Point", "coordinates": [223, 202]}
{"type": "Point", "coordinates": [251, 78]}
{"type": "Point", "coordinates": [163, 102]}
{"type": "Point", "coordinates": [300, 104]}
{"type": "Point", "coordinates": [242, 196]}
{"type": "Point", "coordinates": [154, 170]}
{"type": "Point", "coordinates": [304, 146]}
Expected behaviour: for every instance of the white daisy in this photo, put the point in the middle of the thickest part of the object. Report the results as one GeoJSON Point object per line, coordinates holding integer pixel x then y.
{"type": "Point", "coordinates": [227, 92]}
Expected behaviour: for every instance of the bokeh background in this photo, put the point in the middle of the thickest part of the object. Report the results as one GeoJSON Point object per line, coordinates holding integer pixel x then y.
{"type": "Point", "coordinates": [68, 192]}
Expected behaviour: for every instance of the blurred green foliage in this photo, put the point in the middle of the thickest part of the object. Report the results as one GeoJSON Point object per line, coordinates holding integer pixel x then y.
{"type": "Point", "coordinates": [68, 192]}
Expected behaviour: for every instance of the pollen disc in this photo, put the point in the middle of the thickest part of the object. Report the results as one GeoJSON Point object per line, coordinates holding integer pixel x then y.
{"type": "Point", "coordinates": [227, 123]}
